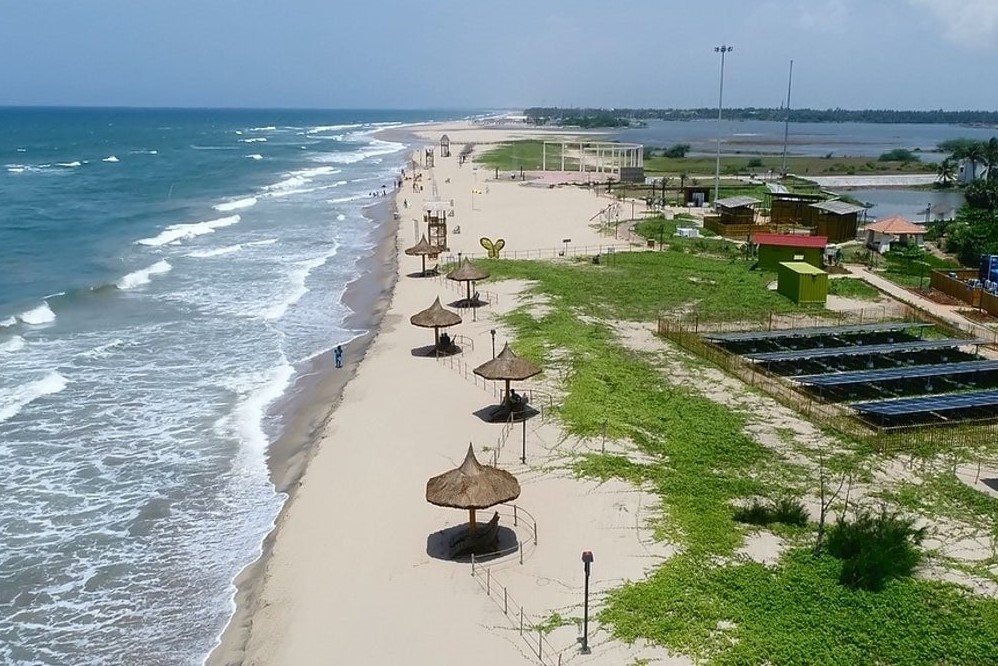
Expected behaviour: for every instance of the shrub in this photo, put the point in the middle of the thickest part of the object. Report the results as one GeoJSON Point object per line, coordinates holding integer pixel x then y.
{"type": "Point", "coordinates": [786, 510]}
{"type": "Point", "coordinates": [899, 155]}
{"type": "Point", "coordinates": [754, 163]}
{"type": "Point", "coordinates": [755, 513]}
{"type": "Point", "coordinates": [875, 549]}
{"type": "Point", "coordinates": [790, 511]}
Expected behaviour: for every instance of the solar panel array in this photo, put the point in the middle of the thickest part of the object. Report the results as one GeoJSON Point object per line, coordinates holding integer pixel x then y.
{"type": "Point", "coordinates": [930, 403]}
{"type": "Point", "coordinates": [941, 370]}
{"type": "Point", "coordinates": [862, 350]}
{"type": "Point", "coordinates": [814, 332]}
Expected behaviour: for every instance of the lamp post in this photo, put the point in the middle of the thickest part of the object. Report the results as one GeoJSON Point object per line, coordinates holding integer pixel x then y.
{"type": "Point", "coordinates": [587, 559]}
{"type": "Point", "coordinates": [723, 49]}
{"type": "Point", "coordinates": [493, 332]}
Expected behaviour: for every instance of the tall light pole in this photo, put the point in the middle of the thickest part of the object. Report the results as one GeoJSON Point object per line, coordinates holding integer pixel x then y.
{"type": "Point", "coordinates": [786, 125]}
{"type": "Point", "coordinates": [720, 104]}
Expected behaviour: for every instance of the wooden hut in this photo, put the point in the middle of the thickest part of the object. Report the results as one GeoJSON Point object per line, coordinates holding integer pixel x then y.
{"type": "Point", "coordinates": [787, 208]}
{"type": "Point", "coordinates": [777, 248]}
{"type": "Point", "coordinates": [694, 195]}
{"type": "Point", "coordinates": [836, 220]}
{"type": "Point", "coordinates": [737, 210]}
{"type": "Point", "coordinates": [445, 146]}
{"type": "Point", "coordinates": [893, 230]}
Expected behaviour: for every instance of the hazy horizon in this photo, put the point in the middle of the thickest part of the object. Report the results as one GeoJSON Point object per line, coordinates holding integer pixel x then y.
{"type": "Point", "coordinates": [307, 54]}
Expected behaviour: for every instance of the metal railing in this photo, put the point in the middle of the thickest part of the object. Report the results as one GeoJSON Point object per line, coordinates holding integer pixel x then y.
{"type": "Point", "coordinates": [531, 629]}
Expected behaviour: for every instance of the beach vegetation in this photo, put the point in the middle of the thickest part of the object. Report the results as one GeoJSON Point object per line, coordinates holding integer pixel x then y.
{"type": "Point", "coordinates": [709, 600]}
{"type": "Point", "coordinates": [785, 510]}
{"type": "Point", "coordinates": [802, 115]}
{"type": "Point", "coordinates": [899, 155]}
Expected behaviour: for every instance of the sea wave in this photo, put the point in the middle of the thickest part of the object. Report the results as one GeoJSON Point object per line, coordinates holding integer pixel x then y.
{"type": "Point", "coordinates": [374, 149]}
{"type": "Point", "coordinates": [37, 316]}
{"type": "Point", "coordinates": [12, 345]}
{"type": "Point", "coordinates": [246, 420]}
{"type": "Point", "coordinates": [69, 164]}
{"type": "Point", "coordinates": [216, 252]}
{"type": "Point", "coordinates": [12, 401]}
{"type": "Point", "coordinates": [235, 205]}
{"type": "Point", "coordinates": [296, 280]}
{"type": "Point", "coordinates": [110, 158]}
{"type": "Point", "coordinates": [9, 321]}
{"type": "Point", "coordinates": [177, 232]}
{"type": "Point", "coordinates": [255, 139]}
{"type": "Point", "coordinates": [144, 276]}
{"type": "Point", "coordinates": [332, 128]}
{"type": "Point", "coordinates": [268, 128]}
{"type": "Point", "coordinates": [255, 156]}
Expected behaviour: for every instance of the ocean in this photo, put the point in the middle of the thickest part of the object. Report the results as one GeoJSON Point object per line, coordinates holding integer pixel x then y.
{"type": "Point", "coordinates": [163, 276]}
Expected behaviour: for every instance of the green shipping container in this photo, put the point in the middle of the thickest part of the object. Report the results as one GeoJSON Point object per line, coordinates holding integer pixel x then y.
{"type": "Point", "coordinates": [802, 282]}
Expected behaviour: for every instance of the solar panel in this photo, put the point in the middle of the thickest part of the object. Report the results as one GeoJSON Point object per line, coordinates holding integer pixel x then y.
{"type": "Point", "coordinates": [862, 350]}
{"type": "Point", "coordinates": [818, 331]}
{"type": "Point", "coordinates": [930, 403]}
{"type": "Point", "coordinates": [889, 374]}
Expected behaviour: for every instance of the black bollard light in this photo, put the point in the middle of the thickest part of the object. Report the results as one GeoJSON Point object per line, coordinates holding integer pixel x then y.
{"type": "Point", "coordinates": [493, 332]}
{"type": "Point", "coordinates": [587, 559]}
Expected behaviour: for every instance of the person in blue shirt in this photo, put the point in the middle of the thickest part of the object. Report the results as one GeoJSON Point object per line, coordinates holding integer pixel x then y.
{"type": "Point", "coordinates": [338, 355]}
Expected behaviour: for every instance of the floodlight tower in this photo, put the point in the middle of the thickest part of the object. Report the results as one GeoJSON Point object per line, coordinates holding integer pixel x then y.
{"type": "Point", "coordinates": [723, 49]}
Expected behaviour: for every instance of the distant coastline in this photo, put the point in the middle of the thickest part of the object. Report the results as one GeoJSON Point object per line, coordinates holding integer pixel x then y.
{"type": "Point", "coordinates": [618, 116]}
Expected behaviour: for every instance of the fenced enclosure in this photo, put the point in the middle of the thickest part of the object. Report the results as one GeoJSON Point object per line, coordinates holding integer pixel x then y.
{"type": "Point", "coordinates": [687, 331]}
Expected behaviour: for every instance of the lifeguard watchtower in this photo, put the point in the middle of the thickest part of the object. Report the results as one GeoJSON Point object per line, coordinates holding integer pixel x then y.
{"type": "Point", "coordinates": [428, 158]}
{"type": "Point", "coordinates": [435, 214]}
{"type": "Point", "coordinates": [445, 146]}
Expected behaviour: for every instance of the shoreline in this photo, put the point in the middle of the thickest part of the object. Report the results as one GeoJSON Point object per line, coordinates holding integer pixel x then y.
{"type": "Point", "coordinates": [308, 406]}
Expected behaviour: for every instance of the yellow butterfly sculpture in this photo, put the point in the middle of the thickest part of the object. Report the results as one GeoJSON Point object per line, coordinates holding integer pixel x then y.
{"type": "Point", "coordinates": [493, 248]}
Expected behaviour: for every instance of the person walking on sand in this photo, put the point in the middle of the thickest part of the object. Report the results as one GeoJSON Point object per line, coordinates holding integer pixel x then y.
{"type": "Point", "coordinates": [338, 356]}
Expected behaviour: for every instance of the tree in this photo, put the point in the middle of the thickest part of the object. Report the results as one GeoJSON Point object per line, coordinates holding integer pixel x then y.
{"type": "Point", "coordinates": [975, 155]}
{"type": "Point", "coordinates": [946, 173]}
{"type": "Point", "coordinates": [991, 158]}
{"type": "Point", "coordinates": [899, 155]}
{"type": "Point", "coordinates": [677, 150]}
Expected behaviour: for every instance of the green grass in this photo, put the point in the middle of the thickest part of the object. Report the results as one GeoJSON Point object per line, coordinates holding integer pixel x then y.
{"type": "Point", "coordinates": [798, 613]}
{"type": "Point", "coordinates": [852, 288]}
{"type": "Point", "coordinates": [705, 165]}
{"type": "Point", "coordinates": [698, 459]}
{"type": "Point", "coordinates": [525, 154]}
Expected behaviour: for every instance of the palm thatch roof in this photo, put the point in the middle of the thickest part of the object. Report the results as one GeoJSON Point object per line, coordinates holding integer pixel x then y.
{"type": "Point", "coordinates": [508, 366]}
{"type": "Point", "coordinates": [423, 248]}
{"type": "Point", "coordinates": [435, 316]}
{"type": "Point", "coordinates": [472, 486]}
{"type": "Point", "coordinates": [467, 272]}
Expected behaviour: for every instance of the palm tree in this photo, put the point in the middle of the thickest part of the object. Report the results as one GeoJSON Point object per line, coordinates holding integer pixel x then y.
{"type": "Point", "coordinates": [946, 173]}
{"type": "Point", "coordinates": [975, 154]}
{"type": "Point", "coordinates": [991, 158]}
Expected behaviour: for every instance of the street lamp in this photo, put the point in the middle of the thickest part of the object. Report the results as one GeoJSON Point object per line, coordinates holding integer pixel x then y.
{"type": "Point", "coordinates": [720, 100]}
{"type": "Point", "coordinates": [587, 559]}
{"type": "Point", "coordinates": [493, 332]}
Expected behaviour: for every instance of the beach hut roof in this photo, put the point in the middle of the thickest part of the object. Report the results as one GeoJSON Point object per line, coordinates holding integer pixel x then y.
{"type": "Point", "coordinates": [472, 486]}
{"type": "Point", "coordinates": [737, 202]}
{"type": "Point", "coordinates": [895, 225]}
{"type": "Point", "coordinates": [423, 248]}
{"type": "Point", "coordinates": [507, 365]}
{"type": "Point", "coordinates": [467, 272]}
{"type": "Point", "coordinates": [435, 316]}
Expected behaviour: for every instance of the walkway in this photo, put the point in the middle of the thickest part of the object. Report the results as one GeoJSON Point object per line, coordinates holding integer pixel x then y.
{"type": "Point", "coordinates": [948, 313]}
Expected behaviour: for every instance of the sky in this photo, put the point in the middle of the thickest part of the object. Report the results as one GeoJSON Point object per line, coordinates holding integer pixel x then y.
{"type": "Point", "coordinates": [508, 54]}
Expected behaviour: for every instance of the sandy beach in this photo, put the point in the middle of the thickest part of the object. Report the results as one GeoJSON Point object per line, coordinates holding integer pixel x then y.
{"type": "Point", "coordinates": [352, 571]}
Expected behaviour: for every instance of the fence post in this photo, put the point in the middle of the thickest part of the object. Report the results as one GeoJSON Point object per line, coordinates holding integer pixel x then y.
{"type": "Point", "coordinates": [514, 515]}
{"type": "Point", "coordinates": [521, 620]}
{"type": "Point", "coordinates": [488, 581]}
{"type": "Point", "coordinates": [505, 602]}
{"type": "Point", "coordinates": [472, 564]}
{"type": "Point", "coordinates": [535, 532]}
{"type": "Point", "coordinates": [540, 641]}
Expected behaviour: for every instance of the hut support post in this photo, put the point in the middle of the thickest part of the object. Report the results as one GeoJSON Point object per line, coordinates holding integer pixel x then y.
{"type": "Point", "coordinates": [436, 338]}
{"type": "Point", "coordinates": [423, 257]}
{"type": "Point", "coordinates": [469, 292]}
{"type": "Point", "coordinates": [474, 527]}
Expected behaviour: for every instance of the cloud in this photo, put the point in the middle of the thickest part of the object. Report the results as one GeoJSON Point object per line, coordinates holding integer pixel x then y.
{"type": "Point", "coordinates": [966, 22]}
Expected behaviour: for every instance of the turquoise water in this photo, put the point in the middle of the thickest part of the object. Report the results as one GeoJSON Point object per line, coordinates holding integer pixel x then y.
{"type": "Point", "coordinates": [163, 276]}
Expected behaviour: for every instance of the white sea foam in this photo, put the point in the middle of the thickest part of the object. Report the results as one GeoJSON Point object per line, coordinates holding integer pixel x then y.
{"type": "Point", "coordinates": [110, 158]}
{"type": "Point", "coordinates": [331, 128]}
{"type": "Point", "coordinates": [355, 197]}
{"type": "Point", "coordinates": [12, 345]}
{"type": "Point", "coordinates": [268, 128]}
{"type": "Point", "coordinates": [255, 139]}
{"type": "Point", "coordinates": [247, 417]}
{"type": "Point", "coordinates": [255, 156]}
{"type": "Point", "coordinates": [177, 232]}
{"type": "Point", "coordinates": [143, 276]}
{"type": "Point", "coordinates": [341, 217]}
{"type": "Point", "coordinates": [235, 205]}
{"type": "Point", "coordinates": [297, 289]}
{"type": "Point", "coordinates": [69, 164]}
{"type": "Point", "coordinates": [317, 171]}
{"type": "Point", "coordinates": [37, 316]}
{"type": "Point", "coordinates": [9, 321]}
{"type": "Point", "coordinates": [216, 252]}
{"type": "Point", "coordinates": [12, 401]}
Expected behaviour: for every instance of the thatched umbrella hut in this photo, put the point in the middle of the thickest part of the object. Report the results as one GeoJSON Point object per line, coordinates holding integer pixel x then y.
{"type": "Point", "coordinates": [467, 273]}
{"type": "Point", "coordinates": [507, 366]}
{"type": "Point", "coordinates": [472, 486]}
{"type": "Point", "coordinates": [423, 249]}
{"type": "Point", "coordinates": [435, 317]}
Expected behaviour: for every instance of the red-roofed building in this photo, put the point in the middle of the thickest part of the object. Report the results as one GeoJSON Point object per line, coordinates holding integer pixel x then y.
{"type": "Point", "coordinates": [896, 229]}
{"type": "Point", "coordinates": [777, 248]}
